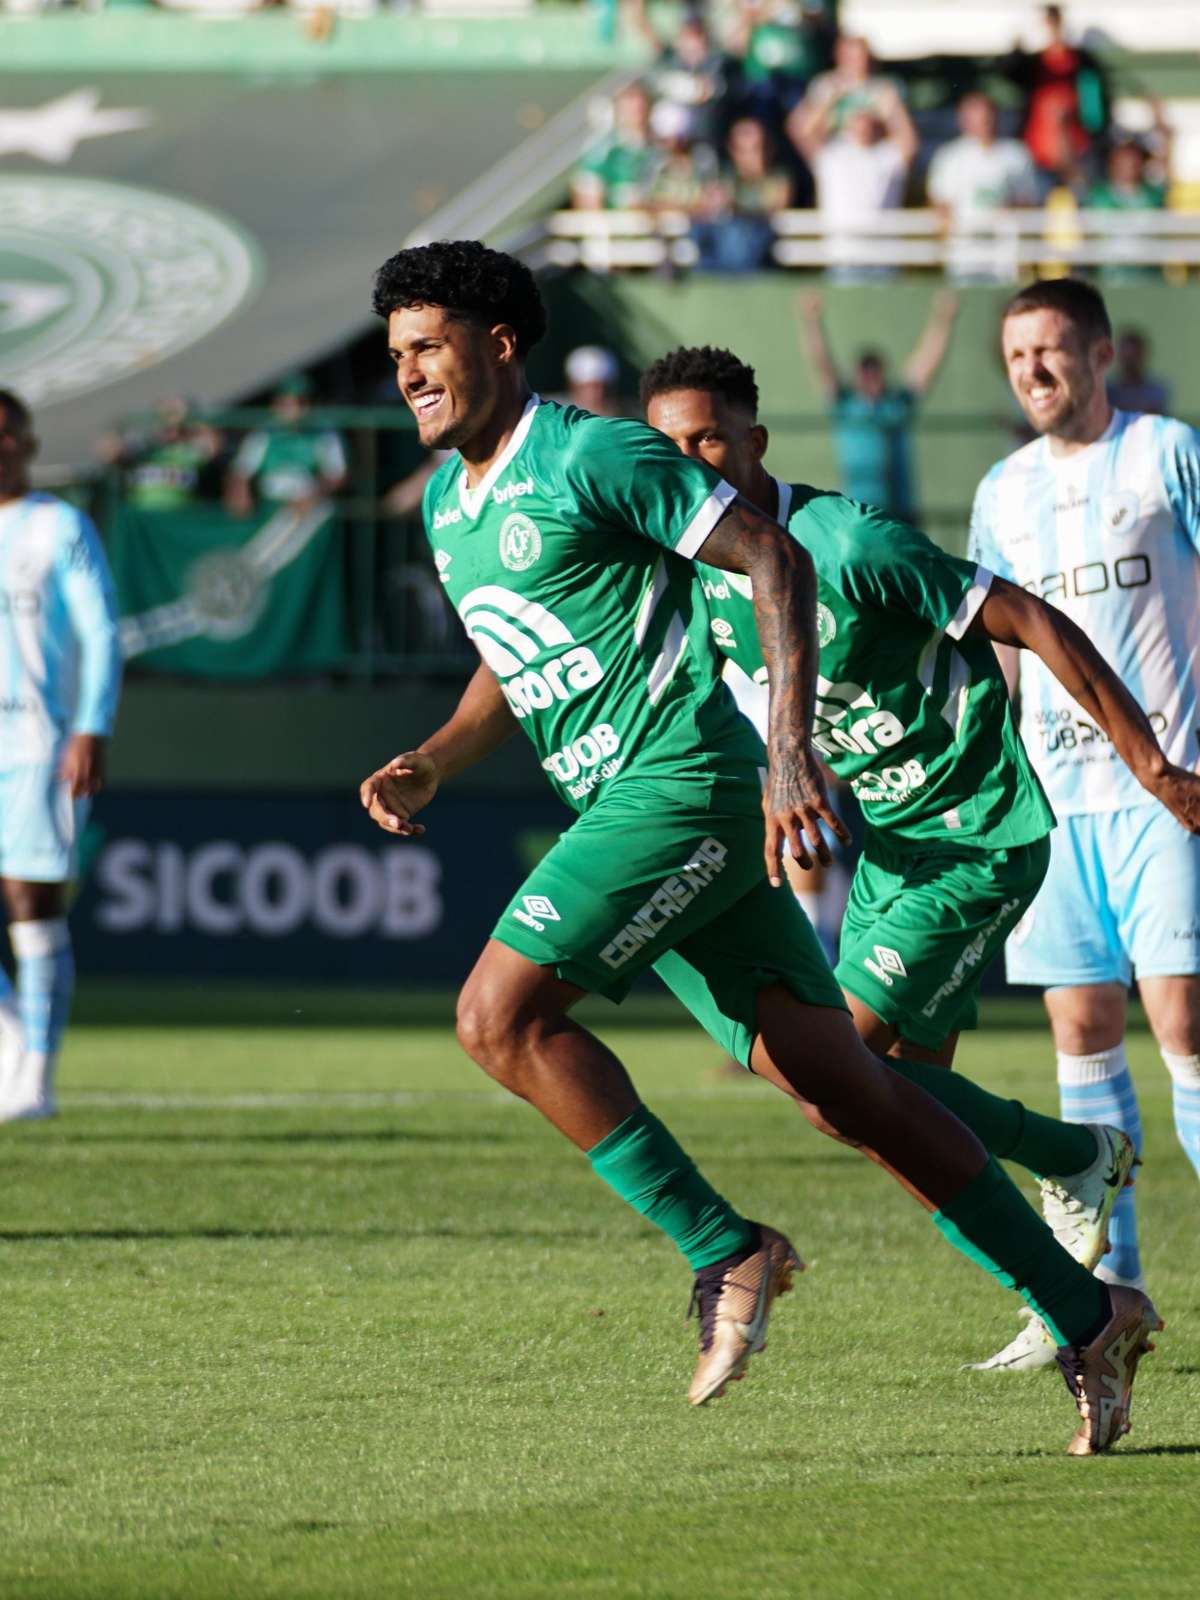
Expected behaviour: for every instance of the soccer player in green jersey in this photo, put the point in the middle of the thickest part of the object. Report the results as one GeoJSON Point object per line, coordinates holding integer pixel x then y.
{"type": "Point", "coordinates": [566, 542]}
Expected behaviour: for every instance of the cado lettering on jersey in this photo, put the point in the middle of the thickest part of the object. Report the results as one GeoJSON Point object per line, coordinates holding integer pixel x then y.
{"type": "Point", "coordinates": [511, 633]}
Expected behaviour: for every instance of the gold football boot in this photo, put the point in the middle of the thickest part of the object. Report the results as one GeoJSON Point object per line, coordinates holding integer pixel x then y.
{"type": "Point", "coordinates": [734, 1299]}
{"type": "Point", "coordinates": [1100, 1374]}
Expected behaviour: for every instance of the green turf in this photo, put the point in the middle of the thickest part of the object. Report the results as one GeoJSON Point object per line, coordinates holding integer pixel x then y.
{"type": "Point", "coordinates": [308, 1310]}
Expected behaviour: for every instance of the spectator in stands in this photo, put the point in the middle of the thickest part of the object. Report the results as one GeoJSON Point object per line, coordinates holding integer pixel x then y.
{"type": "Point", "coordinates": [287, 463]}
{"type": "Point", "coordinates": [685, 168]}
{"type": "Point", "coordinates": [690, 71]}
{"type": "Point", "coordinates": [1066, 102]}
{"type": "Point", "coordinates": [852, 85]}
{"type": "Point", "coordinates": [872, 419]}
{"type": "Point", "coordinates": [781, 48]}
{"type": "Point", "coordinates": [1131, 387]}
{"type": "Point", "coordinates": [616, 174]}
{"type": "Point", "coordinates": [737, 236]}
{"type": "Point", "coordinates": [165, 467]}
{"type": "Point", "coordinates": [593, 381]}
{"type": "Point", "coordinates": [975, 173]}
{"type": "Point", "coordinates": [860, 174]}
{"type": "Point", "coordinates": [1128, 185]}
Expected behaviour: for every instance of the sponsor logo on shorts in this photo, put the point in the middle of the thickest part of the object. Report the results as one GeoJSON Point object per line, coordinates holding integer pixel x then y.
{"type": "Point", "coordinates": [826, 625]}
{"type": "Point", "coordinates": [1190, 933]}
{"type": "Point", "coordinates": [971, 957]}
{"type": "Point", "coordinates": [538, 911]}
{"type": "Point", "coordinates": [520, 542]}
{"type": "Point", "coordinates": [667, 902]}
{"type": "Point", "coordinates": [887, 965]}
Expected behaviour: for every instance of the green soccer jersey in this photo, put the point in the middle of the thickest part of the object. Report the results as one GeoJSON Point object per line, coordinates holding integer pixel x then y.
{"type": "Point", "coordinates": [912, 710]}
{"type": "Point", "coordinates": [566, 567]}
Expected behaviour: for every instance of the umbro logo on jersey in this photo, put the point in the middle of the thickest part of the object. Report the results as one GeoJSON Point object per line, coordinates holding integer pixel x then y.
{"type": "Point", "coordinates": [520, 542]}
{"type": "Point", "coordinates": [537, 912]}
{"type": "Point", "coordinates": [442, 560]}
{"type": "Point", "coordinates": [722, 629]}
{"type": "Point", "coordinates": [887, 965]}
{"type": "Point", "coordinates": [505, 492]}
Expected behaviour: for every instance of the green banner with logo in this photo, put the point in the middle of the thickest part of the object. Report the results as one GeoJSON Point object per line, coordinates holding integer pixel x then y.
{"type": "Point", "coordinates": [208, 595]}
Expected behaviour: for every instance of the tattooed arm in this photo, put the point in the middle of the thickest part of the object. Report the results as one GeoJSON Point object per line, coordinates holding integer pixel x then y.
{"type": "Point", "coordinates": [785, 609]}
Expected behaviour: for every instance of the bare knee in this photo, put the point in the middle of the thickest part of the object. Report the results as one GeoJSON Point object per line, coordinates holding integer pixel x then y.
{"type": "Point", "coordinates": [1172, 1008]}
{"type": "Point", "coordinates": [1087, 1018]}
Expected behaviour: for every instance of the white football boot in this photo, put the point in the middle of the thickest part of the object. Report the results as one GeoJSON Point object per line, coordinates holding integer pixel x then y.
{"type": "Point", "coordinates": [1077, 1210]}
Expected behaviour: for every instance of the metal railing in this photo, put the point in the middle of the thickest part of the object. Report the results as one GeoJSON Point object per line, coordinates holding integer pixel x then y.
{"type": "Point", "coordinates": [1002, 244]}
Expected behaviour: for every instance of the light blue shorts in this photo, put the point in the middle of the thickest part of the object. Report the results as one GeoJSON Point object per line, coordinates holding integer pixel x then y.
{"type": "Point", "coordinates": [39, 824]}
{"type": "Point", "coordinates": [1122, 896]}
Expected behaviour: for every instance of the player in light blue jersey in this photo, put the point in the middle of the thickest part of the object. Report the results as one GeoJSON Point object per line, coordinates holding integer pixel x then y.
{"type": "Point", "coordinates": [60, 673]}
{"type": "Point", "coordinates": [1101, 516]}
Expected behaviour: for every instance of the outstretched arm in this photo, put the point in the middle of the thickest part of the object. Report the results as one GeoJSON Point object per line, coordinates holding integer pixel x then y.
{"type": "Point", "coordinates": [816, 346]}
{"type": "Point", "coordinates": [482, 721]}
{"type": "Point", "coordinates": [930, 350]}
{"type": "Point", "coordinates": [1012, 616]}
{"type": "Point", "coordinates": [785, 609]}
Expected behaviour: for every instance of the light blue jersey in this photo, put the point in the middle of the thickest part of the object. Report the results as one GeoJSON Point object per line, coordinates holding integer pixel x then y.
{"type": "Point", "coordinates": [1111, 536]}
{"type": "Point", "coordinates": [60, 657]}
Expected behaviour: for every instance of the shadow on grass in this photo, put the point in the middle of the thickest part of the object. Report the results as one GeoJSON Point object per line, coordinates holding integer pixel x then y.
{"type": "Point", "coordinates": [1159, 1450]}
{"type": "Point", "coordinates": [289, 1235]}
{"type": "Point", "coordinates": [297, 1136]}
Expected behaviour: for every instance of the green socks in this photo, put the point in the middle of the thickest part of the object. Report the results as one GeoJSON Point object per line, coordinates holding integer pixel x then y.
{"type": "Point", "coordinates": [995, 1227]}
{"type": "Point", "coordinates": [1005, 1128]}
{"type": "Point", "coordinates": [643, 1163]}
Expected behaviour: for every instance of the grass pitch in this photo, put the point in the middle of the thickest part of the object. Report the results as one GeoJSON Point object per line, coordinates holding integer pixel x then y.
{"type": "Point", "coordinates": [294, 1304]}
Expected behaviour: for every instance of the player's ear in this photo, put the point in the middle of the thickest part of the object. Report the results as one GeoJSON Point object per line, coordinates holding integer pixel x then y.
{"type": "Point", "coordinates": [1104, 354]}
{"type": "Point", "coordinates": [505, 343]}
{"type": "Point", "coordinates": [759, 440]}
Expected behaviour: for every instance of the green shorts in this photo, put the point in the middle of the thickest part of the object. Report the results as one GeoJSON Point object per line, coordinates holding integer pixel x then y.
{"type": "Point", "coordinates": [642, 881]}
{"type": "Point", "coordinates": [920, 930]}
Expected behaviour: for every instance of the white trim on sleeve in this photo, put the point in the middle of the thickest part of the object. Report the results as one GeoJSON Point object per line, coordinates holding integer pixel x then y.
{"type": "Point", "coordinates": [972, 600]}
{"type": "Point", "coordinates": [705, 520]}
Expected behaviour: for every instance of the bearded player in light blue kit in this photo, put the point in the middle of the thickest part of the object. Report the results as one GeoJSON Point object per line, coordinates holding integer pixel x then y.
{"type": "Point", "coordinates": [60, 674]}
{"type": "Point", "coordinates": [1101, 517]}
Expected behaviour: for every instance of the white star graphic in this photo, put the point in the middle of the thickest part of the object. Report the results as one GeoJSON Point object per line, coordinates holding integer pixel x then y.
{"type": "Point", "coordinates": [51, 132]}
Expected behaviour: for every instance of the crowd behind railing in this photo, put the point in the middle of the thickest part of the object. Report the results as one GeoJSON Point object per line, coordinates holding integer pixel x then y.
{"type": "Point", "coordinates": [785, 143]}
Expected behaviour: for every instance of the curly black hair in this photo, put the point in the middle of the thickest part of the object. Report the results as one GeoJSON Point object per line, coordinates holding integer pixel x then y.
{"type": "Point", "coordinates": [702, 367]}
{"type": "Point", "coordinates": [17, 409]}
{"type": "Point", "coordinates": [1077, 300]}
{"type": "Point", "coordinates": [468, 280]}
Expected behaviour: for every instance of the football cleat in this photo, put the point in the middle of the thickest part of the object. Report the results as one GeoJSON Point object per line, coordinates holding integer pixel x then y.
{"type": "Point", "coordinates": [1077, 1209]}
{"type": "Point", "coordinates": [1100, 1375]}
{"type": "Point", "coordinates": [733, 1299]}
{"type": "Point", "coordinates": [1033, 1347]}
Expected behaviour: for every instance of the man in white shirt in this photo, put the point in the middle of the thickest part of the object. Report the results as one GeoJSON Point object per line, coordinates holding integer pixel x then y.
{"type": "Point", "coordinates": [974, 175]}
{"type": "Point", "coordinates": [860, 173]}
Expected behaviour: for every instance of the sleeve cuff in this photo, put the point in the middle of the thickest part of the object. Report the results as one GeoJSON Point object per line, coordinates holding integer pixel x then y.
{"type": "Point", "coordinates": [972, 600]}
{"type": "Point", "coordinates": [705, 520]}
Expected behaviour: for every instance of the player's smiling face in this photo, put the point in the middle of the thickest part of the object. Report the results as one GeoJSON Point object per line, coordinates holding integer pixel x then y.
{"type": "Point", "coordinates": [446, 370]}
{"type": "Point", "coordinates": [707, 428]}
{"type": "Point", "coordinates": [1056, 375]}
